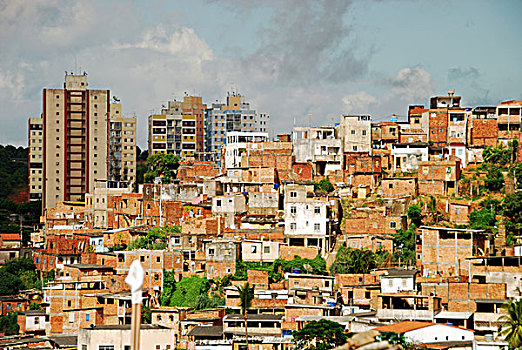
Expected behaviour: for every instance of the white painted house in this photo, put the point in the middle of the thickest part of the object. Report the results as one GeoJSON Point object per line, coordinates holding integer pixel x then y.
{"type": "Point", "coordinates": [398, 280]}
{"type": "Point", "coordinates": [416, 332]}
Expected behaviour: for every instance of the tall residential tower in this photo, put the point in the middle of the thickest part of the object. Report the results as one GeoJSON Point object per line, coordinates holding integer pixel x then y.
{"type": "Point", "coordinates": [76, 145]}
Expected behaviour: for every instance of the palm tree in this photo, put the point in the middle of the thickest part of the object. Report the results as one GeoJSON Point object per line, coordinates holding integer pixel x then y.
{"type": "Point", "coordinates": [246, 295]}
{"type": "Point", "coordinates": [512, 327]}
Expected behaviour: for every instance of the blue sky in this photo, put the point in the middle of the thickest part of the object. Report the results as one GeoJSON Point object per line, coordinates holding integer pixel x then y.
{"type": "Point", "coordinates": [290, 58]}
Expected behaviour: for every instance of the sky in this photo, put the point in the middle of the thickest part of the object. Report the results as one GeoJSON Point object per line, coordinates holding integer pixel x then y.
{"type": "Point", "coordinates": [303, 61]}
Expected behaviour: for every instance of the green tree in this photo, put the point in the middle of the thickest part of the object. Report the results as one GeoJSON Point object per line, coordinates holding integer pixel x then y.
{"type": "Point", "coordinates": [204, 301]}
{"type": "Point", "coordinates": [349, 260]}
{"type": "Point", "coordinates": [482, 219]}
{"type": "Point", "coordinates": [415, 214]}
{"type": "Point", "coordinates": [246, 295]}
{"type": "Point", "coordinates": [320, 335]}
{"type": "Point", "coordinates": [494, 179]}
{"type": "Point", "coordinates": [512, 210]}
{"type": "Point", "coordinates": [324, 185]}
{"type": "Point", "coordinates": [146, 315]}
{"type": "Point", "coordinates": [9, 324]}
{"type": "Point", "coordinates": [35, 306]}
{"type": "Point", "coordinates": [496, 155]}
{"type": "Point", "coordinates": [9, 283]}
{"type": "Point", "coordinates": [512, 327]}
{"type": "Point", "coordinates": [161, 164]}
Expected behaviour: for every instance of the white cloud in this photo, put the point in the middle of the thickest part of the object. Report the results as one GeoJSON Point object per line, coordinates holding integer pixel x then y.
{"type": "Point", "coordinates": [409, 86]}
{"type": "Point", "coordinates": [359, 103]}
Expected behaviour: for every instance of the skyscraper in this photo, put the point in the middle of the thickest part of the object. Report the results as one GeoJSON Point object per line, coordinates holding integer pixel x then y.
{"type": "Point", "coordinates": [75, 126]}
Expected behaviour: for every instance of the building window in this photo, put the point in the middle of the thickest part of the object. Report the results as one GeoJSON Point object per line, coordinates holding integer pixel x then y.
{"type": "Point", "coordinates": [352, 132]}
{"type": "Point", "coordinates": [254, 249]}
{"type": "Point", "coordinates": [218, 202]}
{"type": "Point", "coordinates": [393, 224]}
{"type": "Point", "coordinates": [317, 210]}
{"type": "Point", "coordinates": [293, 194]}
{"type": "Point", "coordinates": [293, 210]}
{"type": "Point", "coordinates": [87, 317]}
{"type": "Point", "coordinates": [211, 251]}
{"type": "Point", "coordinates": [354, 148]}
{"type": "Point", "coordinates": [317, 227]}
{"type": "Point", "coordinates": [292, 226]}
{"type": "Point", "coordinates": [105, 347]}
{"type": "Point", "coordinates": [364, 133]}
{"type": "Point", "coordinates": [266, 249]}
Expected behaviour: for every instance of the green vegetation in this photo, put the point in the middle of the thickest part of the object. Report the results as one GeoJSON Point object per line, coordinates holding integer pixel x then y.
{"type": "Point", "coordinates": [324, 186]}
{"type": "Point", "coordinates": [316, 266]}
{"type": "Point", "coordinates": [512, 210]}
{"type": "Point", "coordinates": [13, 170]}
{"type": "Point", "coordinates": [415, 214]}
{"type": "Point", "coordinates": [146, 315]}
{"type": "Point", "coordinates": [35, 306]}
{"type": "Point", "coordinates": [190, 292]}
{"type": "Point", "coordinates": [320, 335]}
{"type": "Point", "coordinates": [246, 295]}
{"type": "Point", "coordinates": [494, 179]}
{"type": "Point", "coordinates": [18, 274]}
{"type": "Point", "coordinates": [9, 324]}
{"type": "Point", "coordinates": [497, 155]}
{"type": "Point", "coordinates": [161, 164]}
{"type": "Point", "coordinates": [483, 219]}
{"type": "Point", "coordinates": [404, 243]}
{"type": "Point", "coordinates": [349, 260]}
{"type": "Point", "coordinates": [512, 328]}
{"type": "Point", "coordinates": [156, 238]}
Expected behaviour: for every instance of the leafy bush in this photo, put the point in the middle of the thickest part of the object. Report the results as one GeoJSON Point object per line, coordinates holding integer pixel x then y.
{"type": "Point", "coordinates": [189, 292]}
{"type": "Point", "coordinates": [415, 214]}
{"type": "Point", "coordinates": [320, 335]}
{"type": "Point", "coordinates": [494, 178]}
{"type": "Point", "coordinates": [9, 324]}
{"type": "Point", "coordinates": [349, 260]}
{"type": "Point", "coordinates": [482, 219]}
{"type": "Point", "coordinates": [324, 185]}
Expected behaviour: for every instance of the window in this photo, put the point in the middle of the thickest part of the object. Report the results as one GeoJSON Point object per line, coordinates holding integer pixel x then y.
{"type": "Point", "coordinates": [317, 227]}
{"type": "Point", "coordinates": [218, 202]}
{"type": "Point", "coordinates": [352, 132]}
{"type": "Point", "coordinates": [293, 210]}
{"type": "Point", "coordinates": [266, 249]}
{"type": "Point", "coordinates": [457, 211]}
{"type": "Point", "coordinates": [254, 249]}
{"type": "Point", "coordinates": [317, 210]}
{"type": "Point", "coordinates": [364, 133]}
{"type": "Point", "coordinates": [293, 194]}
{"type": "Point", "coordinates": [87, 317]}
{"type": "Point", "coordinates": [142, 258]}
{"type": "Point", "coordinates": [105, 347]}
{"type": "Point", "coordinates": [211, 251]}
{"type": "Point", "coordinates": [393, 224]}
{"type": "Point", "coordinates": [354, 148]}
{"type": "Point", "coordinates": [292, 226]}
